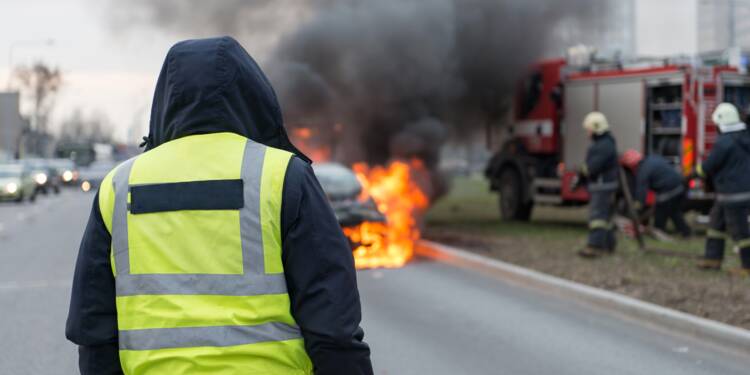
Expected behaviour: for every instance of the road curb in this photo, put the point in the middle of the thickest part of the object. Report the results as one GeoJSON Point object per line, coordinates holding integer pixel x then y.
{"type": "Point", "coordinates": [724, 335]}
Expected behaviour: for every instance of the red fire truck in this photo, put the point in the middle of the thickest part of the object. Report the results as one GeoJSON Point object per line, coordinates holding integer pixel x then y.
{"type": "Point", "coordinates": [659, 108]}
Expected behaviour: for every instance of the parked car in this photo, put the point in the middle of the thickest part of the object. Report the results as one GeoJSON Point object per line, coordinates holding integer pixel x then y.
{"type": "Point", "coordinates": [16, 183]}
{"type": "Point", "coordinates": [91, 177]}
{"type": "Point", "coordinates": [343, 190]}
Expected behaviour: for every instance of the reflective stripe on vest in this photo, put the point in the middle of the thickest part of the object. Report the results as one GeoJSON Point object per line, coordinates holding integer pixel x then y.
{"type": "Point", "coordinates": [232, 316]}
{"type": "Point", "coordinates": [167, 338]}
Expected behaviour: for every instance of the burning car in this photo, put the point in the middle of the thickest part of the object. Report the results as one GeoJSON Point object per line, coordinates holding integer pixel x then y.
{"type": "Point", "coordinates": [344, 192]}
{"type": "Point", "coordinates": [377, 207]}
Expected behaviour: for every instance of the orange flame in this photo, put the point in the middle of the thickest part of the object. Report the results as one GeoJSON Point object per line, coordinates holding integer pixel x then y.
{"type": "Point", "coordinates": [306, 141]}
{"type": "Point", "coordinates": [400, 198]}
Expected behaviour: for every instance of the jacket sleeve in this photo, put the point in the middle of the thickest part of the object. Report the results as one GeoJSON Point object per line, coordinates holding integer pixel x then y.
{"type": "Point", "coordinates": [321, 278]}
{"type": "Point", "coordinates": [715, 159]}
{"type": "Point", "coordinates": [92, 318]}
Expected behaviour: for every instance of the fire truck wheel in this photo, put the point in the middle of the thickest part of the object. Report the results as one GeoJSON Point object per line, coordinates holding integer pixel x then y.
{"type": "Point", "coordinates": [511, 205]}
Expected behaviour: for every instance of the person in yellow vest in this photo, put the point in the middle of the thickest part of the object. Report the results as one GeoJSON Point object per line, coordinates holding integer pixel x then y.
{"type": "Point", "coordinates": [215, 251]}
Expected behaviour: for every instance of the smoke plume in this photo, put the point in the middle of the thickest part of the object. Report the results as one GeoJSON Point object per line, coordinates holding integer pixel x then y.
{"type": "Point", "coordinates": [386, 78]}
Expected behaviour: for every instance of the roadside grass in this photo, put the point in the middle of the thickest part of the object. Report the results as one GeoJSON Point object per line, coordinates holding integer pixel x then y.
{"type": "Point", "coordinates": [468, 217]}
{"type": "Point", "coordinates": [470, 206]}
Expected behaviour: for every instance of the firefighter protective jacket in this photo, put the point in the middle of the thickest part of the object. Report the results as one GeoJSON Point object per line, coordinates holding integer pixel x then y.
{"type": "Point", "coordinates": [209, 252]}
{"type": "Point", "coordinates": [601, 163]}
{"type": "Point", "coordinates": [728, 165]}
{"type": "Point", "coordinates": [655, 173]}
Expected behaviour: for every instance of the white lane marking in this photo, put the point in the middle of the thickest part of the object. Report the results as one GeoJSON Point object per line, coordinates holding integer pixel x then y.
{"type": "Point", "coordinates": [33, 284]}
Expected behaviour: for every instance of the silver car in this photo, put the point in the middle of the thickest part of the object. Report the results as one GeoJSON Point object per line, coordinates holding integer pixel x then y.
{"type": "Point", "coordinates": [16, 183]}
{"type": "Point", "coordinates": [91, 177]}
{"type": "Point", "coordinates": [343, 190]}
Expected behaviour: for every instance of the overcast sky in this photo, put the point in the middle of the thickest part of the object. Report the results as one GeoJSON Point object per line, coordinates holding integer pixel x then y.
{"type": "Point", "coordinates": [105, 70]}
{"type": "Point", "coordinates": [113, 71]}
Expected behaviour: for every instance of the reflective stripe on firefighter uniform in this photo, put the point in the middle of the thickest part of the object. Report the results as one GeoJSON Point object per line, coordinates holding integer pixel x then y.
{"type": "Point", "coordinates": [196, 254]}
{"type": "Point", "coordinates": [666, 196]}
{"type": "Point", "coordinates": [601, 227]}
{"type": "Point", "coordinates": [601, 224]}
{"type": "Point", "coordinates": [733, 198]}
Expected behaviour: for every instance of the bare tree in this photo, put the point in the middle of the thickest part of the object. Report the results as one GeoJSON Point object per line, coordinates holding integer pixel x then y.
{"type": "Point", "coordinates": [86, 129]}
{"type": "Point", "coordinates": [39, 82]}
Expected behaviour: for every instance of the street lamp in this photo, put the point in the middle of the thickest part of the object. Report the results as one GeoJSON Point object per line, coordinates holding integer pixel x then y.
{"type": "Point", "coordinates": [24, 43]}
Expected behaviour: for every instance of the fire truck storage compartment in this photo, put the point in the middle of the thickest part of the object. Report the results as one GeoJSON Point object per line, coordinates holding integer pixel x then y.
{"type": "Point", "coordinates": [621, 99]}
{"type": "Point", "coordinates": [736, 90]}
{"type": "Point", "coordinates": [664, 120]}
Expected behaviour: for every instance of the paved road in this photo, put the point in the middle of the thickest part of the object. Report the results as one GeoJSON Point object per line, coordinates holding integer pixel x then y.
{"type": "Point", "coordinates": [427, 318]}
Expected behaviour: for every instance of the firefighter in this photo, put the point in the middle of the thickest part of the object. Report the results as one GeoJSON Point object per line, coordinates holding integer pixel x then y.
{"type": "Point", "coordinates": [226, 257]}
{"type": "Point", "coordinates": [728, 166]}
{"type": "Point", "coordinates": [655, 173]}
{"type": "Point", "coordinates": [601, 172]}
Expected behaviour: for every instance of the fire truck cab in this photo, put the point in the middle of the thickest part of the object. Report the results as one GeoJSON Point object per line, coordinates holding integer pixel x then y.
{"type": "Point", "coordinates": [661, 107]}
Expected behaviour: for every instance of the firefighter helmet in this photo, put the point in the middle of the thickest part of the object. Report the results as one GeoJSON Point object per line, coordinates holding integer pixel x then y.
{"type": "Point", "coordinates": [726, 114]}
{"type": "Point", "coordinates": [631, 158]}
{"type": "Point", "coordinates": [596, 123]}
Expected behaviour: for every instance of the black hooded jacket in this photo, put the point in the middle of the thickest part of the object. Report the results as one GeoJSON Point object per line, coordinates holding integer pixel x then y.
{"type": "Point", "coordinates": [655, 173]}
{"type": "Point", "coordinates": [210, 86]}
{"type": "Point", "coordinates": [728, 163]}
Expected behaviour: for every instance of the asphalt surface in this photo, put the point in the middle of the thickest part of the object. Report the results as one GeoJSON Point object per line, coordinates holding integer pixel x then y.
{"type": "Point", "coordinates": [427, 318]}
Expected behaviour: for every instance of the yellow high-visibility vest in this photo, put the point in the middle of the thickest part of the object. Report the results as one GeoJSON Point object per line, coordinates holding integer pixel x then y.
{"type": "Point", "coordinates": [196, 255]}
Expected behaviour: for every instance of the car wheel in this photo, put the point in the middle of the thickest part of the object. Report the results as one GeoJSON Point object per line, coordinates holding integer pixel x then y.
{"type": "Point", "coordinates": [20, 198]}
{"type": "Point", "coordinates": [511, 205]}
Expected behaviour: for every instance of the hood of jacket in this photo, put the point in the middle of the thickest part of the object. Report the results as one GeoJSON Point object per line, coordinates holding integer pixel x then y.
{"type": "Point", "coordinates": [213, 86]}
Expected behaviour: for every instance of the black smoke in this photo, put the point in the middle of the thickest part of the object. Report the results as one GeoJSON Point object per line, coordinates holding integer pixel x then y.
{"type": "Point", "coordinates": [385, 78]}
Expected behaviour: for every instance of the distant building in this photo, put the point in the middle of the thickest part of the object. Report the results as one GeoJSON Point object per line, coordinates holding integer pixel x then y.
{"type": "Point", "coordinates": [11, 124]}
{"type": "Point", "coordinates": [608, 25]}
{"type": "Point", "coordinates": [723, 24]}
{"type": "Point", "coordinates": [690, 27]}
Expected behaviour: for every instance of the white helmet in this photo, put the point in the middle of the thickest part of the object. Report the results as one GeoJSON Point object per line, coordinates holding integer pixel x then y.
{"type": "Point", "coordinates": [596, 123]}
{"type": "Point", "coordinates": [726, 114]}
